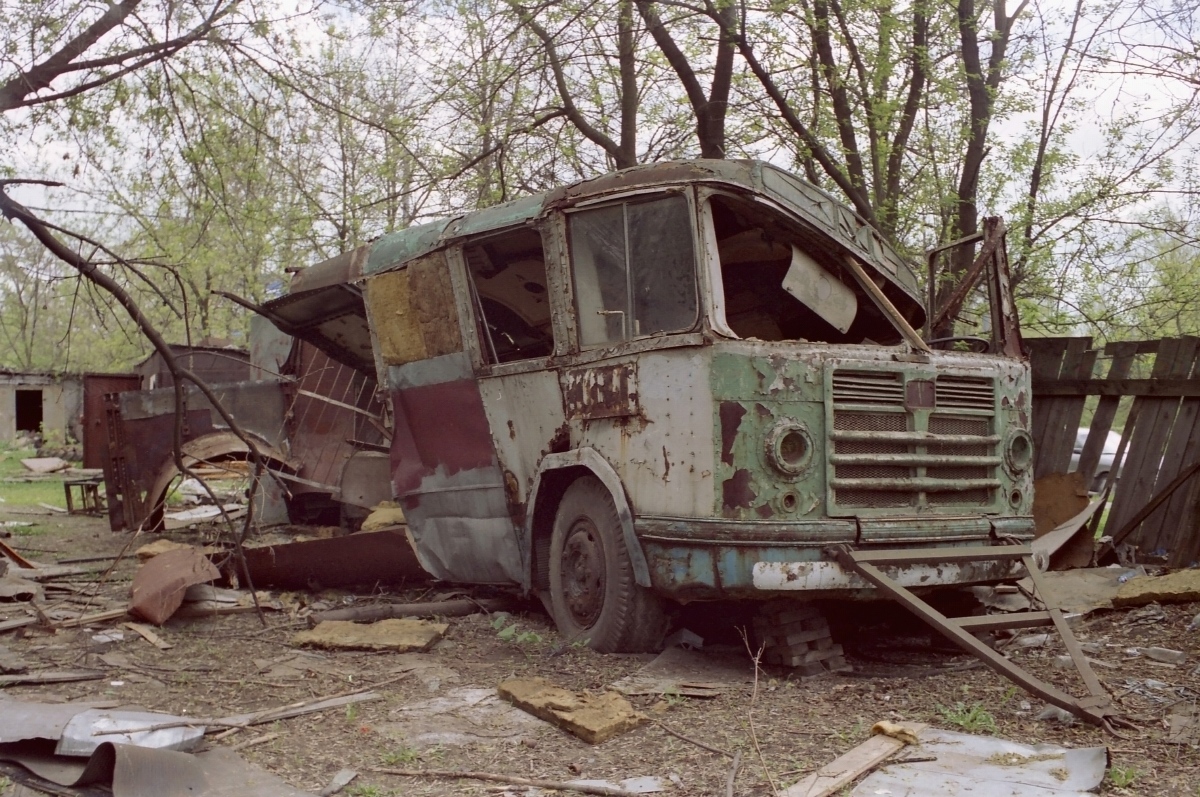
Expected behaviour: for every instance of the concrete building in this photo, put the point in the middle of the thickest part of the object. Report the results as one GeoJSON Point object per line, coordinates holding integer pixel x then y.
{"type": "Point", "coordinates": [40, 402]}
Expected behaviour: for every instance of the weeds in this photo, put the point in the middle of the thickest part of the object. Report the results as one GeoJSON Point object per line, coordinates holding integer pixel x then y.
{"type": "Point", "coordinates": [405, 755]}
{"type": "Point", "coordinates": [511, 632]}
{"type": "Point", "coordinates": [1120, 777]}
{"type": "Point", "coordinates": [972, 718]}
{"type": "Point", "coordinates": [365, 791]}
{"type": "Point", "coordinates": [352, 712]}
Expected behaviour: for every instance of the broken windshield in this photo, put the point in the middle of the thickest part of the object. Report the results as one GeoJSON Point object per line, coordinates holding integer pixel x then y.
{"type": "Point", "coordinates": [784, 283]}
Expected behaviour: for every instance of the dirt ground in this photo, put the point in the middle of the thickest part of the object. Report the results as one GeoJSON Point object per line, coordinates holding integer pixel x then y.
{"type": "Point", "coordinates": [784, 728]}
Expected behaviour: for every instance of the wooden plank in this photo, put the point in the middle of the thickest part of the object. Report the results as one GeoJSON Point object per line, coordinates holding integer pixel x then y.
{"type": "Point", "coordinates": [1139, 346]}
{"type": "Point", "coordinates": [1077, 365]}
{"type": "Point", "coordinates": [846, 768]}
{"type": "Point", "coordinates": [1054, 412]}
{"type": "Point", "coordinates": [21, 561]}
{"type": "Point", "coordinates": [1155, 535]}
{"type": "Point", "coordinates": [1188, 547]}
{"type": "Point", "coordinates": [88, 619]}
{"type": "Point", "coordinates": [1116, 387]}
{"type": "Point", "coordinates": [1106, 409]}
{"type": "Point", "coordinates": [1155, 418]}
{"type": "Point", "coordinates": [1045, 360]}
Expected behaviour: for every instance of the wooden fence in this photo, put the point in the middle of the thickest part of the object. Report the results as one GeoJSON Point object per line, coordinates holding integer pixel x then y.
{"type": "Point", "coordinates": [1155, 386]}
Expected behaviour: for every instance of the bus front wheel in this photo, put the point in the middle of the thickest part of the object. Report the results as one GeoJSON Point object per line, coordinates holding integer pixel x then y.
{"type": "Point", "coordinates": [593, 594]}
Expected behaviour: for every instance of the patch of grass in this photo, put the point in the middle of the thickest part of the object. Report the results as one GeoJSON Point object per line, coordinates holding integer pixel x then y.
{"type": "Point", "coordinates": [352, 712]}
{"type": "Point", "coordinates": [403, 756]}
{"type": "Point", "coordinates": [49, 491]}
{"type": "Point", "coordinates": [365, 791]}
{"type": "Point", "coordinates": [1120, 777]}
{"type": "Point", "coordinates": [972, 718]}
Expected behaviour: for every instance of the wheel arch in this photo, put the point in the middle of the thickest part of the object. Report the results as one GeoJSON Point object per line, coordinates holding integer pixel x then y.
{"type": "Point", "coordinates": [215, 446]}
{"type": "Point", "coordinates": [555, 474]}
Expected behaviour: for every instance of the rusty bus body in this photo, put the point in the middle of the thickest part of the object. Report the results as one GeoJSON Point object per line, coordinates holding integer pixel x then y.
{"type": "Point", "coordinates": [683, 381]}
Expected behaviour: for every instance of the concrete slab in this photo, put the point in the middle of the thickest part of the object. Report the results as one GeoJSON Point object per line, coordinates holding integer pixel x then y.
{"type": "Point", "coordinates": [1182, 586]}
{"type": "Point", "coordinates": [400, 635]}
{"type": "Point", "coordinates": [593, 718]}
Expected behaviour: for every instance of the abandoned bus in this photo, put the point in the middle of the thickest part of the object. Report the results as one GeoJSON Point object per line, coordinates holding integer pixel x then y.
{"type": "Point", "coordinates": [683, 381]}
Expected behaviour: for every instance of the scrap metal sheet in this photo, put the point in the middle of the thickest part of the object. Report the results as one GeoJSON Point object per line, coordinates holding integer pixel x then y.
{"type": "Point", "coordinates": [159, 585]}
{"type": "Point", "coordinates": [364, 558]}
{"type": "Point", "coordinates": [984, 766]}
{"type": "Point", "coordinates": [20, 720]}
{"type": "Point", "coordinates": [145, 772]}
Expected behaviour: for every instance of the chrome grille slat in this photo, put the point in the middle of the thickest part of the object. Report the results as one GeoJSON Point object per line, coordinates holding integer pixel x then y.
{"type": "Point", "coordinates": [868, 387]}
{"type": "Point", "coordinates": [964, 392]}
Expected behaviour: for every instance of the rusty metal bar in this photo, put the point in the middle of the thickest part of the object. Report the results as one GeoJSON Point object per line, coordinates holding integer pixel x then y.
{"type": "Point", "coordinates": [1096, 709]}
{"type": "Point", "coordinates": [915, 438]}
{"type": "Point", "coordinates": [913, 459]}
{"type": "Point", "coordinates": [923, 483]}
{"type": "Point", "coordinates": [1072, 644]}
{"type": "Point", "coordinates": [954, 302]}
{"type": "Point", "coordinates": [926, 556]}
{"type": "Point", "coordinates": [337, 403]}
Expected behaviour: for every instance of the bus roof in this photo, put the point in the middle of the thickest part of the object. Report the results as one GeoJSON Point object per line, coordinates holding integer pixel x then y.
{"type": "Point", "coordinates": [819, 209]}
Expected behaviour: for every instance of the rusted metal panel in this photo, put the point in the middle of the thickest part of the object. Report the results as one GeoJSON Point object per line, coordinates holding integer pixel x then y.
{"type": "Point", "coordinates": [601, 391]}
{"type": "Point", "coordinates": [95, 435]}
{"type": "Point", "coordinates": [159, 584]}
{"type": "Point", "coordinates": [214, 365]}
{"type": "Point", "coordinates": [446, 474]}
{"type": "Point", "coordinates": [525, 417]}
{"type": "Point", "coordinates": [269, 349]}
{"type": "Point", "coordinates": [664, 455]}
{"type": "Point", "coordinates": [321, 433]}
{"type": "Point", "coordinates": [363, 559]}
{"type": "Point", "coordinates": [332, 318]}
{"type": "Point", "coordinates": [337, 270]}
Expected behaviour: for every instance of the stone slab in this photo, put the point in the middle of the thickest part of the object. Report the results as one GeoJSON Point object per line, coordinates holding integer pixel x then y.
{"type": "Point", "coordinates": [593, 718]}
{"type": "Point", "coordinates": [1182, 586]}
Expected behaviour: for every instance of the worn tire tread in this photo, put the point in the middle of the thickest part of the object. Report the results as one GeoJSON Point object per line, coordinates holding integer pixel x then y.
{"type": "Point", "coordinates": [633, 619]}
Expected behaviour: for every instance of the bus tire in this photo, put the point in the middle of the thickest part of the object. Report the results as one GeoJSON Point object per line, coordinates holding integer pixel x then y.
{"type": "Point", "coordinates": [593, 594]}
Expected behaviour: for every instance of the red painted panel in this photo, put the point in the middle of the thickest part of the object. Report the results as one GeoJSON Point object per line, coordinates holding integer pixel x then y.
{"type": "Point", "coordinates": [439, 425]}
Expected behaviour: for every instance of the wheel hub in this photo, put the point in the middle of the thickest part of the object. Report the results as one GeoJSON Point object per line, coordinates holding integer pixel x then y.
{"type": "Point", "coordinates": [583, 573]}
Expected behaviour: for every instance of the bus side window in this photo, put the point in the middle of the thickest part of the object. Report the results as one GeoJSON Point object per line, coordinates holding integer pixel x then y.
{"type": "Point", "coordinates": [509, 276]}
{"type": "Point", "coordinates": [634, 269]}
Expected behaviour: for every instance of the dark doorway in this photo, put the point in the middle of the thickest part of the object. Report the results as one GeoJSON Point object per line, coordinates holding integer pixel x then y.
{"type": "Point", "coordinates": [29, 410]}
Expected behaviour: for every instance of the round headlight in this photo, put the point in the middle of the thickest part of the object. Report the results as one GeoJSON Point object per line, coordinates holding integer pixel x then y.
{"type": "Point", "coordinates": [790, 448]}
{"type": "Point", "coordinates": [1018, 451]}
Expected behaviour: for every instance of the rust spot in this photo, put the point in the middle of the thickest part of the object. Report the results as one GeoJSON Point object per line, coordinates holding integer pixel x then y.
{"type": "Point", "coordinates": [731, 420]}
{"type": "Point", "coordinates": [602, 391]}
{"type": "Point", "coordinates": [561, 441]}
{"type": "Point", "coordinates": [512, 493]}
{"type": "Point", "coordinates": [736, 491]}
{"type": "Point", "coordinates": [762, 411]}
{"type": "Point", "coordinates": [666, 464]}
{"type": "Point", "coordinates": [512, 431]}
{"type": "Point", "coordinates": [765, 511]}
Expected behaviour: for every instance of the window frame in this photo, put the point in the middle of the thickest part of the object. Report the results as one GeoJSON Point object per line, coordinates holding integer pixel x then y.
{"type": "Point", "coordinates": [700, 282]}
{"type": "Point", "coordinates": [471, 310]}
{"type": "Point", "coordinates": [717, 307]}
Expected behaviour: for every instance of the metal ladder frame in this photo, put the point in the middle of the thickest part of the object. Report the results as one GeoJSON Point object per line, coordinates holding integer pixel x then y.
{"type": "Point", "coordinates": [1097, 708]}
